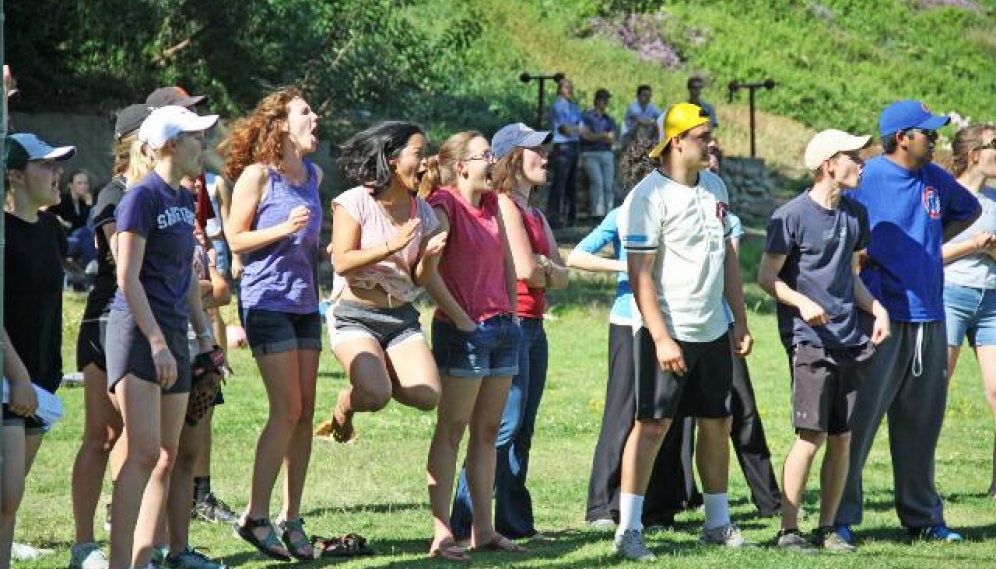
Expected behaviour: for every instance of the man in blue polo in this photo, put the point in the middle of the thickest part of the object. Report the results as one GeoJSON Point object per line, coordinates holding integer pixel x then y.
{"type": "Point", "coordinates": [914, 206]}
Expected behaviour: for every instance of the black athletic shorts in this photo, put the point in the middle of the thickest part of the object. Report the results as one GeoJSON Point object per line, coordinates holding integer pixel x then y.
{"type": "Point", "coordinates": [825, 384]}
{"type": "Point", "coordinates": [91, 344]}
{"type": "Point", "coordinates": [703, 391]}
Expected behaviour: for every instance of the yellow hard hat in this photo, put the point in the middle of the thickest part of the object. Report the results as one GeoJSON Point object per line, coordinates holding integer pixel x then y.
{"type": "Point", "coordinates": [679, 118]}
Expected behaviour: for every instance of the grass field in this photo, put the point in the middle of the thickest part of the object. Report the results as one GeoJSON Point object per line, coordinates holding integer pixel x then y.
{"type": "Point", "coordinates": [377, 487]}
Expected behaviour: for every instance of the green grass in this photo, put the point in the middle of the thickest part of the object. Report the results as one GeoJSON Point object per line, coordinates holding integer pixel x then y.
{"type": "Point", "coordinates": [377, 486]}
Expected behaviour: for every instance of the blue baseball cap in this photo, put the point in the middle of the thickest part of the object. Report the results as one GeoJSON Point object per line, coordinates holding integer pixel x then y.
{"type": "Point", "coordinates": [903, 115]}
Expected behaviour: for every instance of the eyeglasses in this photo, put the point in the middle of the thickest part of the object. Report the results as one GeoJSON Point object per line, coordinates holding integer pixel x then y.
{"type": "Point", "coordinates": [991, 145]}
{"type": "Point", "coordinates": [486, 155]}
{"type": "Point", "coordinates": [930, 134]}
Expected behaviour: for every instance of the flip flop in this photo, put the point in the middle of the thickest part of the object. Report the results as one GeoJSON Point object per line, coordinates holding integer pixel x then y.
{"type": "Point", "coordinates": [448, 550]}
{"type": "Point", "coordinates": [498, 542]}
{"type": "Point", "coordinates": [349, 545]}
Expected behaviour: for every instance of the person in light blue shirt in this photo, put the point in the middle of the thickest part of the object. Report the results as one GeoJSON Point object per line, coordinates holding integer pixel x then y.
{"type": "Point", "coordinates": [970, 263]}
{"type": "Point", "coordinates": [641, 115]}
{"type": "Point", "coordinates": [565, 121]}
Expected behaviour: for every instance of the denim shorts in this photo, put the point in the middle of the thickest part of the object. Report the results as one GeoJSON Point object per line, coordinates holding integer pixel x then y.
{"type": "Point", "coordinates": [271, 332]}
{"type": "Point", "coordinates": [970, 312]}
{"type": "Point", "coordinates": [491, 350]}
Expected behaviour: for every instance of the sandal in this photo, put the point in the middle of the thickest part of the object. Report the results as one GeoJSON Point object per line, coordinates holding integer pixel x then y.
{"type": "Point", "coordinates": [498, 542]}
{"type": "Point", "coordinates": [269, 546]}
{"type": "Point", "coordinates": [300, 548]}
{"type": "Point", "coordinates": [342, 426]}
{"type": "Point", "coordinates": [349, 545]}
{"type": "Point", "coordinates": [448, 550]}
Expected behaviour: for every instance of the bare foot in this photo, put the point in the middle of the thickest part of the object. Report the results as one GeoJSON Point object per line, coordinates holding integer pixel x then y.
{"type": "Point", "coordinates": [342, 421]}
{"type": "Point", "coordinates": [446, 548]}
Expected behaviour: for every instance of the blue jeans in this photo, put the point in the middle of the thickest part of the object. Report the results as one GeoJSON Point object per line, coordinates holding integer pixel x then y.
{"type": "Point", "coordinates": [81, 245]}
{"type": "Point", "coordinates": [513, 505]}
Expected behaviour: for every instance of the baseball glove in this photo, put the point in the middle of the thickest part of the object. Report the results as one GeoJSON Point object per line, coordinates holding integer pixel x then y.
{"type": "Point", "coordinates": [207, 371]}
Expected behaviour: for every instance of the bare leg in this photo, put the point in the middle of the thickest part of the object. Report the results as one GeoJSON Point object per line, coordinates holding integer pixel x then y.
{"type": "Point", "coordinates": [640, 453]}
{"type": "Point", "coordinates": [154, 501]}
{"type": "Point", "coordinates": [14, 472]}
{"type": "Point", "coordinates": [101, 429]}
{"type": "Point", "coordinates": [416, 383]}
{"type": "Point", "coordinates": [796, 472]}
{"type": "Point", "coordinates": [298, 453]}
{"type": "Point", "coordinates": [712, 454]}
{"type": "Point", "coordinates": [987, 363]}
{"type": "Point", "coordinates": [484, 425]}
{"type": "Point", "coordinates": [833, 476]}
{"type": "Point", "coordinates": [140, 410]}
{"type": "Point", "coordinates": [456, 405]}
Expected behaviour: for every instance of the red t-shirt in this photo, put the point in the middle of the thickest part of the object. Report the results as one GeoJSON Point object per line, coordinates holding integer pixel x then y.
{"type": "Point", "coordinates": [532, 300]}
{"type": "Point", "coordinates": [472, 264]}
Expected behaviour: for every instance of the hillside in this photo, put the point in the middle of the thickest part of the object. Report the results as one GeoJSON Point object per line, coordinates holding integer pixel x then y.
{"type": "Point", "coordinates": [837, 63]}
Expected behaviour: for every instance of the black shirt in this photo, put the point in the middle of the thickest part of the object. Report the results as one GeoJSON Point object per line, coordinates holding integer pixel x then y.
{"type": "Point", "coordinates": [106, 283]}
{"type": "Point", "coordinates": [33, 295]}
{"type": "Point", "coordinates": [74, 212]}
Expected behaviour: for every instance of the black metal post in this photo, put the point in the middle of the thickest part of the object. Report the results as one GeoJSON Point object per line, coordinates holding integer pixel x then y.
{"type": "Point", "coordinates": [539, 104]}
{"type": "Point", "coordinates": [753, 145]}
{"type": "Point", "coordinates": [735, 86]}
{"type": "Point", "coordinates": [526, 77]}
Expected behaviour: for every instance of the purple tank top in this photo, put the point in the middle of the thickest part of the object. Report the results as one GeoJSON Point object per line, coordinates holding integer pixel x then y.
{"type": "Point", "coordinates": [283, 276]}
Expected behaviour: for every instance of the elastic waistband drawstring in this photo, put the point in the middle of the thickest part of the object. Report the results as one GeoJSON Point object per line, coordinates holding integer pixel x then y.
{"type": "Point", "coordinates": [918, 352]}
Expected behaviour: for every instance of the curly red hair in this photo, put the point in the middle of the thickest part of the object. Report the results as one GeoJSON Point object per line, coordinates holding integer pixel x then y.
{"type": "Point", "coordinates": [257, 138]}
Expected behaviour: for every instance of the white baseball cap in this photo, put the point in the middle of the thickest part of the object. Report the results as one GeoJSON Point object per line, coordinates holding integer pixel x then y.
{"type": "Point", "coordinates": [826, 144]}
{"type": "Point", "coordinates": [516, 135]}
{"type": "Point", "coordinates": [164, 123]}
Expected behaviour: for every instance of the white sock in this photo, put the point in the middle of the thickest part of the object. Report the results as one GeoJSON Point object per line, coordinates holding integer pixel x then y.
{"type": "Point", "coordinates": [630, 513]}
{"type": "Point", "coordinates": [717, 510]}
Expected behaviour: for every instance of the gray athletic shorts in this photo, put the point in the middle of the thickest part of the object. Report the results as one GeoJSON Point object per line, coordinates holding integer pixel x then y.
{"type": "Point", "coordinates": [389, 327]}
{"type": "Point", "coordinates": [129, 352]}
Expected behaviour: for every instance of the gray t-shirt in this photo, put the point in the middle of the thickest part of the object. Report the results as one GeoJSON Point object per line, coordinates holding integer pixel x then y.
{"type": "Point", "coordinates": [818, 244]}
{"type": "Point", "coordinates": [977, 270]}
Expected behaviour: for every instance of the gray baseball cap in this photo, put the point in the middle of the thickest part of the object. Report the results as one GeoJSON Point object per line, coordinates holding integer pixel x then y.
{"type": "Point", "coordinates": [517, 135]}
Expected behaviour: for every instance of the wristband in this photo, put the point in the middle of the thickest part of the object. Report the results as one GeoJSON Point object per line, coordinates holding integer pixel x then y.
{"type": "Point", "coordinates": [205, 334]}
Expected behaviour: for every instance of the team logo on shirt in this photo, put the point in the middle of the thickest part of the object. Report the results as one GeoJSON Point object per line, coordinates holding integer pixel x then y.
{"type": "Point", "coordinates": [932, 202]}
{"type": "Point", "coordinates": [722, 211]}
{"type": "Point", "coordinates": [173, 215]}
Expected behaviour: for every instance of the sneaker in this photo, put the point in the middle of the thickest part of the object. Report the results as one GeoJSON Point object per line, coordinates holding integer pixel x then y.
{"type": "Point", "coordinates": [939, 532]}
{"type": "Point", "coordinates": [792, 540]}
{"type": "Point", "coordinates": [727, 536]}
{"type": "Point", "coordinates": [25, 552]}
{"type": "Point", "coordinates": [211, 509]}
{"type": "Point", "coordinates": [602, 524]}
{"type": "Point", "coordinates": [630, 545]}
{"type": "Point", "coordinates": [190, 558]}
{"type": "Point", "coordinates": [845, 533]}
{"type": "Point", "coordinates": [828, 539]}
{"type": "Point", "coordinates": [87, 556]}
{"type": "Point", "coordinates": [159, 555]}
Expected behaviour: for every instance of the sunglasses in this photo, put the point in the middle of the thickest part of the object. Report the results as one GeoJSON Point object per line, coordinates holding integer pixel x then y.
{"type": "Point", "coordinates": [486, 155]}
{"type": "Point", "coordinates": [930, 134]}
{"type": "Point", "coordinates": [991, 145]}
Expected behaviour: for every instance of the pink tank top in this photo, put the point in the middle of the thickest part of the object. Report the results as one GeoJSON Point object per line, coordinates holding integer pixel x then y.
{"type": "Point", "coordinates": [393, 274]}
